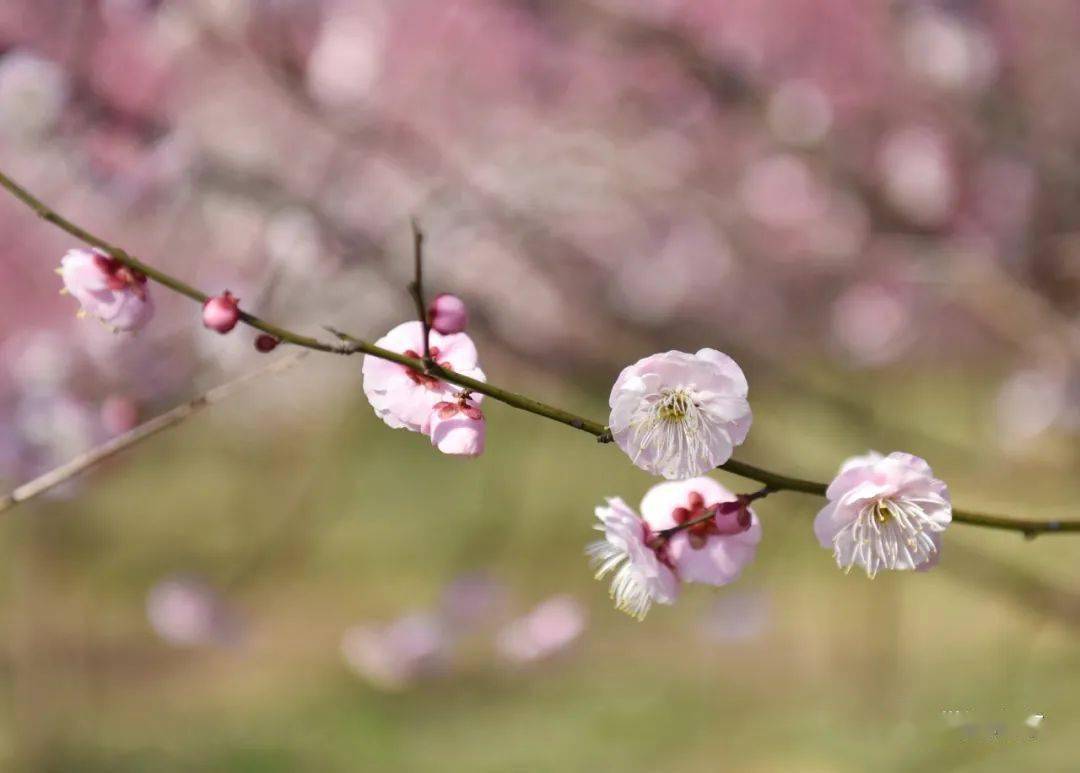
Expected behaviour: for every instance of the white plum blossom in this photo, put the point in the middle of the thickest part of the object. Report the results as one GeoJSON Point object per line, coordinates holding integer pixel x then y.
{"type": "Point", "coordinates": [403, 397]}
{"type": "Point", "coordinates": [679, 415]}
{"type": "Point", "coordinates": [884, 512]}
{"type": "Point", "coordinates": [641, 577]}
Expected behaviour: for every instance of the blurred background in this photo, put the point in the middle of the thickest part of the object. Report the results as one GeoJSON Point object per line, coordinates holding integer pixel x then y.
{"type": "Point", "coordinates": [870, 204]}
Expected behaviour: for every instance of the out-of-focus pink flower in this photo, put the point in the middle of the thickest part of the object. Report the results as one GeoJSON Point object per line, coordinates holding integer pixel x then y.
{"type": "Point", "coordinates": [394, 656]}
{"type": "Point", "coordinates": [32, 94]}
{"type": "Point", "coordinates": [872, 323]}
{"type": "Point", "coordinates": [119, 413]}
{"type": "Point", "coordinates": [947, 52]}
{"type": "Point", "coordinates": [918, 175]}
{"type": "Point", "coordinates": [714, 551]}
{"type": "Point", "coordinates": [782, 192]}
{"type": "Point", "coordinates": [448, 314]}
{"type": "Point", "coordinates": [347, 59]}
{"type": "Point", "coordinates": [456, 427]}
{"type": "Point", "coordinates": [680, 415]}
{"type": "Point", "coordinates": [884, 512]}
{"type": "Point", "coordinates": [547, 630]}
{"type": "Point", "coordinates": [221, 313]}
{"type": "Point", "coordinates": [187, 612]}
{"type": "Point", "coordinates": [107, 289]}
{"type": "Point", "coordinates": [642, 572]}
{"type": "Point", "coordinates": [402, 397]}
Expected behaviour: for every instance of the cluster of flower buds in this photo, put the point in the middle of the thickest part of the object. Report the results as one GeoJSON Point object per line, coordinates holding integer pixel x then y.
{"type": "Point", "coordinates": [416, 399]}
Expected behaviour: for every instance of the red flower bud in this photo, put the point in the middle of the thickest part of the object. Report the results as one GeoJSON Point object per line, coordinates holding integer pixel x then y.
{"type": "Point", "coordinates": [266, 343]}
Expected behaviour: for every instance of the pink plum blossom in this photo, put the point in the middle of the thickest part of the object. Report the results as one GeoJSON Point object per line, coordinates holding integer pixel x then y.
{"type": "Point", "coordinates": [679, 415]}
{"type": "Point", "coordinates": [547, 630]}
{"type": "Point", "coordinates": [642, 575]}
{"type": "Point", "coordinates": [714, 551]}
{"type": "Point", "coordinates": [107, 289]}
{"type": "Point", "coordinates": [448, 314]}
{"type": "Point", "coordinates": [884, 512]}
{"type": "Point", "coordinates": [456, 428]}
{"type": "Point", "coordinates": [404, 398]}
{"type": "Point", "coordinates": [221, 313]}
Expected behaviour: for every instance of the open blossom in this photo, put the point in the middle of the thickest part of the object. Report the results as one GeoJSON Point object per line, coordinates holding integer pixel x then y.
{"type": "Point", "coordinates": [714, 550]}
{"type": "Point", "coordinates": [456, 427]}
{"type": "Point", "coordinates": [107, 289]}
{"type": "Point", "coordinates": [401, 396]}
{"type": "Point", "coordinates": [641, 577]}
{"type": "Point", "coordinates": [884, 512]}
{"type": "Point", "coordinates": [680, 415]}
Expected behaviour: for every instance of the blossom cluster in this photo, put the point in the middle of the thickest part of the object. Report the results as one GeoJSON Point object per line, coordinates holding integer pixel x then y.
{"type": "Point", "coordinates": [679, 415]}
{"type": "Point", "coordinates": [675, 414]}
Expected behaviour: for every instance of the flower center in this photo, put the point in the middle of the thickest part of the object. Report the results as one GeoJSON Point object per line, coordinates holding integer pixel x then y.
{"type": "Point", "coordinates": [887, 534]}
{"type": "Point", "coordinates": [425, 379]}
{"type": "Point", "coordinates": [674, 405]}
{"type": "Point", "coordinates": [727, 518]}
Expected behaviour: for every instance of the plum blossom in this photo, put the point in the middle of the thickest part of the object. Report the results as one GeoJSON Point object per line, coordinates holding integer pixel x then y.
{"type": "Point", "coordinates": [884, 512]}
{"type": "Point", "coordinates": [456, 427]}
{"type": "Point", "coordinates": [107, 289]}
{"type": "Point", "coordinates": [641, 576]}
{"type": "Point", "coordinates": [187, 612]}
{"type": "Point", "coordinates": [404, 398]}
{"type": "Point", "coordinates": [713, 550]}
{"type": "Point", "coordinates": [679, 415]}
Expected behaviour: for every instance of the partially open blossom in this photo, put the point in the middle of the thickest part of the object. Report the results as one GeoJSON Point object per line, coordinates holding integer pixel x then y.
{"type": "Point", "coordinates": [884, 512]}
{"type": "Point", "coordinates": [222, 312]}
{"type": "Point", "coordinates": [403, 397]}
{"type": "Point", "coordinates": [456, 427]}
{"type": "Point", "coordinates": [642, 573]}
{"type": "Point", "coordinates": [680, 415]}
{"type": "Point", "coordinates": [107, 289]}
{"type": "Point", "coordinates": [547, 630]}
{"type": "Point", "coordinates": [447, 314]}
{"type": "Point", "coordinates": [714, 550]}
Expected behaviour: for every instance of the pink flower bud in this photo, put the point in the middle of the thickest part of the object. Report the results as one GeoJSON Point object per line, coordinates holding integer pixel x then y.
{"type": "Point", "coordinates": [221, 312]}
{"type": "Point", "coordinates": [266, 343]}
{"type": "Point", "coordinates": [448, 314]}
{"type": "Point", "coordinates": [107, 289]}
{"type": "Point", "coordinates": [457, 428]}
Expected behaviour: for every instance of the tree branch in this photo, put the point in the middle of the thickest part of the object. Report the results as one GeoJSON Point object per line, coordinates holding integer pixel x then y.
{"type": "Point", "coordinates": [110, 448]}
{"type": "Point", "coordinates": [348, 344]}
{"type": "Point", "coordinates": [416, 290]}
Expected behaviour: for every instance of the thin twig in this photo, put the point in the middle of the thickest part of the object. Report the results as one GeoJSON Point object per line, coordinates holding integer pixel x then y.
{"type": "Point", "coordinates": [110, 448]}
{"type": "Point", "coordinates": [348, 345]}
{"type": "Point", "coordinates": [416, 289]}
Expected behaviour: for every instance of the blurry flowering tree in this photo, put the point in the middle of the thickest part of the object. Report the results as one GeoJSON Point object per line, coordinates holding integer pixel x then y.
{"type": "Point", "coordinates": [906, 191]}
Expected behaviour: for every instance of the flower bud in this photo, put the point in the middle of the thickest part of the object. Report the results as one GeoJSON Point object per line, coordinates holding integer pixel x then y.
{"type": "Point", "coordinates": [457, 428]}
{"type": "Point", "coordinates": [221, 312]}
{"type": "Point", "coordinates": [266, 343]}
{"type": "Point", "coordinates": [448, 314]}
